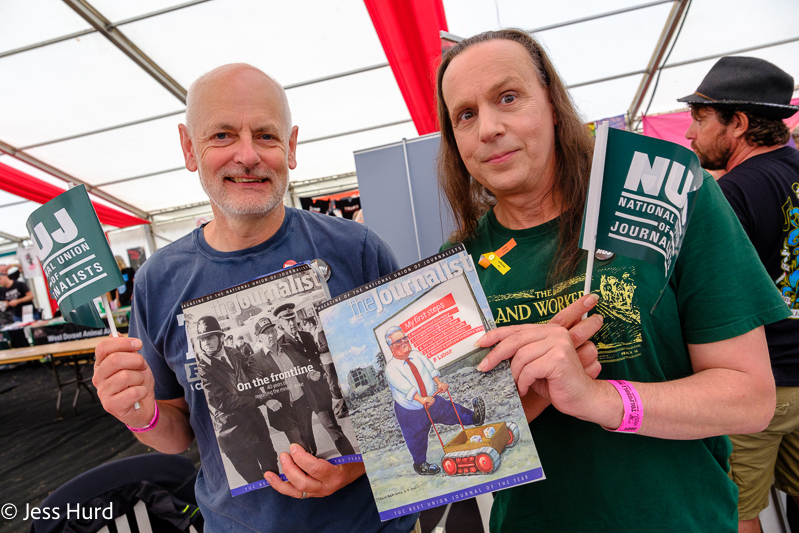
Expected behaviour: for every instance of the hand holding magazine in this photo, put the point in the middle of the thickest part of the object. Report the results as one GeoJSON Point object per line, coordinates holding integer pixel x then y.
{"type": "Point", "coordinates": [432, 429]}
{"type": "Point", "coordinates": [267, 375]}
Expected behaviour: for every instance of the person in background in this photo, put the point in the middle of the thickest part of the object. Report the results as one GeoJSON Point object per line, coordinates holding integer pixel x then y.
{"type": "Point", "coordinates": [331, 376]}
{"type": "Point", "coordinates": [287, 401]}
{"type": "Point", "coordinates": [120, 296]}
{"type": "Point", "coordinates": [239, 136]}
{"type": "Point", "coordinates": [301, 346]}
{"type": "Point", "coordinates": [229, 342]}
{"type": "Point", "coordinates": [125, 292]}
{"type": "Point", "coordinates": [14, 294]}
{"type": "Point", "coordinates": [243, 347]}
{"type": "Point", "coordinates": [514, 163]}
{"type": "Point", "coordinates": [737, 126]}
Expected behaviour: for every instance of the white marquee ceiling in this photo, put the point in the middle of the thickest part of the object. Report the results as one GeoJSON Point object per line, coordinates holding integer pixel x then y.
{"type": "Point", "coordinates": [75, 103]}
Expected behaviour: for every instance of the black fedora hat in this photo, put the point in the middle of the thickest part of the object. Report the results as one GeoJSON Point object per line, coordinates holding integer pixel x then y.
{"type": "Point", "coordinates": [747, 84]}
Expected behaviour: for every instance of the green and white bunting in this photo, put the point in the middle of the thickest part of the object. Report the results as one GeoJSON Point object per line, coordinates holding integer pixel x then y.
{"type": "Point", "coordinates": [640, 199]}
{"type": "Point", "coordinates": [77, 261]}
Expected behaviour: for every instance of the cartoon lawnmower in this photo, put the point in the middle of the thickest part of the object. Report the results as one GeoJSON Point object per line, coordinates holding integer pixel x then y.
{"type": "Point", "coordinates": [477, 450]}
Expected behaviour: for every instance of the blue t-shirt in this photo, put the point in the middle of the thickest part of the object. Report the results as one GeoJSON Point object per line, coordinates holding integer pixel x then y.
{"type": "Point", "coordinates": [189, 268]}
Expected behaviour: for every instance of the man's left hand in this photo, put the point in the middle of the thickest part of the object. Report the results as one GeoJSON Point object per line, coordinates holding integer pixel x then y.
{"type": "Point", "coordinates": [315, 477]}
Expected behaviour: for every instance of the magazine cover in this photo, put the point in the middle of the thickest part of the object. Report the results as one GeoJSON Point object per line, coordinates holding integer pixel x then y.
{"type": "Point", "coordinates": [432, 428]}
{"type": "Point", "coordinates": [268, 375]}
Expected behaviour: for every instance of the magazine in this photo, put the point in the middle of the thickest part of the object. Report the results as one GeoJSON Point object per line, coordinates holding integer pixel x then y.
{"type": "Point", "coordinates": [432, 428]}
{"type": "Point", "coordinates": [268, 376]}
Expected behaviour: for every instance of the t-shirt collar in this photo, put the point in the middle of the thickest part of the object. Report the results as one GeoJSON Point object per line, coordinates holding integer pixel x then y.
{"type": "Point", "coordinates": [274, 240]}
{"type": "Point", "coordinates": [535, 232]}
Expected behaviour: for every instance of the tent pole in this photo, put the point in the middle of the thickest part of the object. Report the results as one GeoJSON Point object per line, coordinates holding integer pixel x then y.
{"type": "Point", "coordinates": [41, 165]}
{"type": "Point", "coordinates": [670, 27]}
{"type": "Point", "coordinates": [118, 39]}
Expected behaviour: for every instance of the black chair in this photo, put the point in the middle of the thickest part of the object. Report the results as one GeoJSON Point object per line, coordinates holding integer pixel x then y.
{"type": "Point", "coordinates": [145, 493]}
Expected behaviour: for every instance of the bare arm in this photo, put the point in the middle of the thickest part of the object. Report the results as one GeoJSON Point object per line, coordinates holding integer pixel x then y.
{"type": "Point", "coordinates": [732, 390]}
{"type": "Point", "coordinates": [122, 378]}
{"type": "Point", "coordinates": [27, 298]}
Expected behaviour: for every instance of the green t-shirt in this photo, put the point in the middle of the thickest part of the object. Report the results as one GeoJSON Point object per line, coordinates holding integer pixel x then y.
{"type": "Point", "coordinates": [597, 480]}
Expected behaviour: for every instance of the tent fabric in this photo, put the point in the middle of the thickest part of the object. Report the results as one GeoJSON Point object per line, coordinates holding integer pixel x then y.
{"type": "Point", "coordinates": [669, 127]}
{"type": "Point", "coordinates": [20, 184]}
{"type": "Point", "coordinates": [73, 100]}
{"type": "Point", "coordinates": [672, 126]}
{"type": "Point", "coordinates": [409, 33]}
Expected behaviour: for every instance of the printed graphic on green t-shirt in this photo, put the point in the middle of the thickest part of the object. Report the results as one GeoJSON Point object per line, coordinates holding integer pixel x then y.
{"type": "Point", "coordinates": [585, 463]}
{"type": "Point", "coordinates": [536, 306]}
{"type": "Point", "coordinates": [620, 335]}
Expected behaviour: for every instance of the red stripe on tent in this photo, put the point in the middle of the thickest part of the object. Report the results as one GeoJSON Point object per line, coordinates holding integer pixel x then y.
{"type": "Point", "coordinates": [408, 31]}
{"type": "Point", "coordinates": [339, 196]}
{"type": "Point", "coordinates": [20, 184]}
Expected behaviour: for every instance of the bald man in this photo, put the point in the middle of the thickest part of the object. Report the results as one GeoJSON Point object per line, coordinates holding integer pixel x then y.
{"type": "Point", "coordinates": [240, 139]}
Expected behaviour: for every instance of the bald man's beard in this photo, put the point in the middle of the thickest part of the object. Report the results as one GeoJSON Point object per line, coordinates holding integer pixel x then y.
{"type": "Point", "coordinates": [242, 205]}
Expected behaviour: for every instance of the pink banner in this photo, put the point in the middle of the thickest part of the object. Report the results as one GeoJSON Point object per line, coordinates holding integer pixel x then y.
{"type": "Point", "coordinates": [672, 127]}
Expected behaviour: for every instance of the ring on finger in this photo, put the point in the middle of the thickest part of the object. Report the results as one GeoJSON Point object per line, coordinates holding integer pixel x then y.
{"type": "Point", "coordinates": [304, 495]}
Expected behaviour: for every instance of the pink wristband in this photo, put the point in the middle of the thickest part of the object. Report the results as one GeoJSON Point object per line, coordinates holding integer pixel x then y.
{"type": "Point", "coordinates": [149, 426]}
{"type": "Point", "coordinates": [633, 409]}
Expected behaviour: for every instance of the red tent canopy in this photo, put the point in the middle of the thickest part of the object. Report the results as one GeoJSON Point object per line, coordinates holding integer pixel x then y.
{"type": "Point", "coordinates": [409, 33]}
{"type": "Point", "coordinates": [20, 184]}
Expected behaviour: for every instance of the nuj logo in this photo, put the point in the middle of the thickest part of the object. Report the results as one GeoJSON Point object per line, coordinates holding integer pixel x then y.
{"type": "Point", "coordinates": [64, 234]}
{"type": "Point", "coordinates": [651, 178]}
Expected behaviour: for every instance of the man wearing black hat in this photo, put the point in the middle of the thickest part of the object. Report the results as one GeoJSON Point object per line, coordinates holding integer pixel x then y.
{"type": "Point", "coordinates": [239, 425]}
{"type": "Point", "coordinates": [286, 402]}
{"type": "Point", "coordinates": [302, 347]}
{"type": "Point", "coordinates": [738, 128]}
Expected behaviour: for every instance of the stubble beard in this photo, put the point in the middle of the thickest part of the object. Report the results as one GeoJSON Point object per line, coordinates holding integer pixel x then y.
{"type": "Point", "coordinates": [251, 205]}
{"type": "Point", "coordinates": [716, 156]}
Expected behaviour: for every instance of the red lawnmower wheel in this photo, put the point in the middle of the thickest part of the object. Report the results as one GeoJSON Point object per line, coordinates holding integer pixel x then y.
{"type": "Point", "coordinates": [485, 463]}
